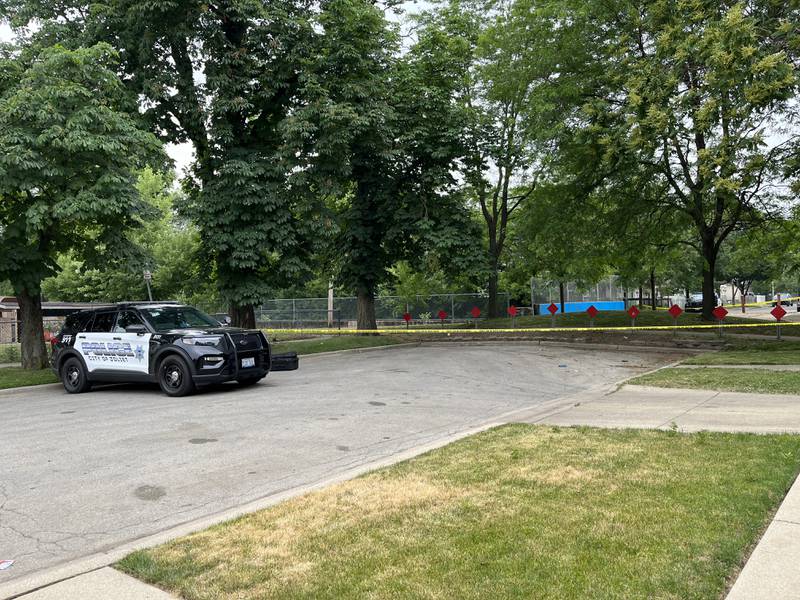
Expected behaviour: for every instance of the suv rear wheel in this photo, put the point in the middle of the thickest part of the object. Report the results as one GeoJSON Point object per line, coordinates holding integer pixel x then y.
{"type": "Point", "coordinates": [174, 377]}
{"type": "Point", "coordinates": [73, 376]}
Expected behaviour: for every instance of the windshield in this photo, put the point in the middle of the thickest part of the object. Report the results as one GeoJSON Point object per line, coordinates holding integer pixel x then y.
{"type": "Point", "coordinates": [178, 317]}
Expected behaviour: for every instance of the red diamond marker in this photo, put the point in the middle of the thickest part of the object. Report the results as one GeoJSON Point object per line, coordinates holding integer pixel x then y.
{"type": "Point", "coordinates": [475, 312]}
{"type": "Point", "coordinates": [553, 309]}
{"type": "Point", "coordinates": [778, 312]}
{"type": "Point", "coordinates": [633, 311]}
{"type": "Point", "coordinates": [512, 310]}
{"type": "Point", "coordinates": [675, 310]}
{"type": "Point", "coordinates": [406, 317]}
{"type": "Point", "coordinates": [719, 313]}
{"type": "Point", "coordinates": [592, 311]}
{"type": "Point", "coordinates": [442, 315]}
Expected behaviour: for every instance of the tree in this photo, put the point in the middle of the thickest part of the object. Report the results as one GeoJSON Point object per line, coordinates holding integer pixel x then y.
{"type": "Point", "coordinates": [501, 61]}
{"type": "Point", "coordinates": [375, 136]}
{"type": "Point", "coordinates": [698, 94]}
{"type": "Point", "coordinates": [750, 258]}
{"type": "Point", "coordinates": [222, 75]}
{"type": "Point", "coordinates": [67, 172]}
{"type": "Point", "coordinates": [169, 246]}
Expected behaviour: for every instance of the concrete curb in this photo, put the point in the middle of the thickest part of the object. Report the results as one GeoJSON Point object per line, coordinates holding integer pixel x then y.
{"type": "Point", "coordinates": [28, 388]}
{"type": "Point", "coordinates": [771, 572]}
{"type": "Point", "coordinates": [575, 345]}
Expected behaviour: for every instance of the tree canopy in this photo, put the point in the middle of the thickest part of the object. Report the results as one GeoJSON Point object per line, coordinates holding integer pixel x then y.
{"type": "Point", "coordinates": [67, 171]}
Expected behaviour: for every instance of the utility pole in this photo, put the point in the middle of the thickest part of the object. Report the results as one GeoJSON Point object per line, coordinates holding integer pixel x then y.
{"type": "Point", "coordinates": [330, 304]}
{"type": "Point", "coordinates": [147, 277]}
{"type": "Point", "coordinates": [533, 303]}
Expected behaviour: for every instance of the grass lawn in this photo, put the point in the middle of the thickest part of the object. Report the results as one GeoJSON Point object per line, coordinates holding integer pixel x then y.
{"type": "Point", "coordinates": [11, 377]}
{"type": "Point", "coordinates": [343, 342]}
{"type": "Point", "coordinates": [725, 380]}
{"type": "Point", "coordinates": [516, 512]}
{"type": "Point", "coordinates": [759, 353]}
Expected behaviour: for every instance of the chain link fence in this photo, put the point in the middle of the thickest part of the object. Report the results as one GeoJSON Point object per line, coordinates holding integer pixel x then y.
{"type": "Point", "coordinates": [608, 291]}
{"type": "Point", "coordinates": [316, 312]}
{"type": "Point", "coordinates": [11, 332]}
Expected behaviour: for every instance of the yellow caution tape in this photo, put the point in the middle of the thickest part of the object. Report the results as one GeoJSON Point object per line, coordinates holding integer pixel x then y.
{"type": "Point", "coordinates": [402, 331]}
{"type": "Point", "coordinates": [737, 305]}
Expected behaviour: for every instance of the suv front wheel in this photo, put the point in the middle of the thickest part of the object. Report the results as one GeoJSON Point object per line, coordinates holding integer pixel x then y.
{"type": "Point", "coordinates": [174, 377]}
{"type": "Point", "coordinates": [73, 376]}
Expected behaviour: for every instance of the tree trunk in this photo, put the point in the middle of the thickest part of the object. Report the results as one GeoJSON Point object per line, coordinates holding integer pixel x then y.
{"type": "Point", "coordinates": [709, 271]}
{"type": "Point", "coordinates": [365, 309]}
{"type": "Point", "coordinates": [492, 309]}
{"type": "Point", "coordinates": [34, 352]}
{"type": "Point", "coordinates": [561, 296]}
{"type": "Point", "coordinates": [641, 293]}
{"type": "Point", "coordinates": [243, 316]}
{"type": "Point", "coordinates": [652, 289]}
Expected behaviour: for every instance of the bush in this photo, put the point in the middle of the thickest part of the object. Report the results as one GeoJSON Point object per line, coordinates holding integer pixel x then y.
{"type": "Point", "coordinates": [10, 353]}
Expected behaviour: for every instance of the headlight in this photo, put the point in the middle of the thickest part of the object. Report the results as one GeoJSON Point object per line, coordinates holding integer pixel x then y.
{"type": "Point", "coordinates": [207, 340]}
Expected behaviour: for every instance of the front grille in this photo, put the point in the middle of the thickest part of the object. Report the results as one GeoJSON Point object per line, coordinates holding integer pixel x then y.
{"type": "Point", "coordinates": [246, 342]}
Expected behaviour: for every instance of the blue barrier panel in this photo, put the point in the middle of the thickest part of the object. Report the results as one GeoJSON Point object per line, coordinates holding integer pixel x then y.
{"type": "Point", "coordinates": [575, 307]}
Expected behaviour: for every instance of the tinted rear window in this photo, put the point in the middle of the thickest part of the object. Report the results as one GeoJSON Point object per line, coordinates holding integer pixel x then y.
{"type": "Point", "coordinates": [77, 322]}
{"type": "Point", "coordinates": [103, 322]}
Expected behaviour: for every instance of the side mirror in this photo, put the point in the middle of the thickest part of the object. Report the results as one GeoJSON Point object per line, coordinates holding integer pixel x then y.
{"type": "Point", "coordinates": [137, 329]}
{"type": "Point", "coordinates": [226, 320]}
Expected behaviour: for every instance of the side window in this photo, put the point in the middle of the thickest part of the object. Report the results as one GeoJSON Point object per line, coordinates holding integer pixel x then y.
{"type": "Point", "coordinates": [73, 324]}
{"type": "Point", "coordinates": [125, 319]}
{"type": "Point", "coordinates": [103, 322]}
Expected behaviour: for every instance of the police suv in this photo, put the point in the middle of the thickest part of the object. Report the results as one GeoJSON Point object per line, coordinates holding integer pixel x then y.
{"type": "Point", "coordinates": [177, 346]}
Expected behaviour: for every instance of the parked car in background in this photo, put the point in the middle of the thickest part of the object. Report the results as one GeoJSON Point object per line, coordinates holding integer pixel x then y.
{"type": "Point", "coordinates": [695, 302]}
{"type": "Point", "coordinates": [787, 299]}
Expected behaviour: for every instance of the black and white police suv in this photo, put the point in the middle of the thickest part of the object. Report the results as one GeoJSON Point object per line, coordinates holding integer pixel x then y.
{"type": "Point", "coordinates": [177, 346]}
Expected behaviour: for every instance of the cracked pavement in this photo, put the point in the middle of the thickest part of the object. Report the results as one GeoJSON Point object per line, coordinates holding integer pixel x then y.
{"type": "Point", "coordinates": [84, 473]}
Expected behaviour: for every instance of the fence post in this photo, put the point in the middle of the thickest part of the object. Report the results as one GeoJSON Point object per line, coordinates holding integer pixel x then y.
{"type": "Point", "coordinates": [453, 308]}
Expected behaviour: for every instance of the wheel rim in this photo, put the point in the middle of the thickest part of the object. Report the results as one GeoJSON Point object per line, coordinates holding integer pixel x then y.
{"type": "Point", "coordinates": [172, 376]}
{"type": "Point", "coordinates": [73, 376]}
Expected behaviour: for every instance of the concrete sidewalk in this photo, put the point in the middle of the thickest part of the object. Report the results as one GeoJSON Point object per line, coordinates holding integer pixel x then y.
{"type": "Point", "coordinates": [689, 410]}
{"type": "Point", "coordinates": [102, 584]}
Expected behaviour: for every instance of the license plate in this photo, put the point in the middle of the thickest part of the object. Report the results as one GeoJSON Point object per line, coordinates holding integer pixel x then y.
{"type": "Point", "coordinates": [248, 362]}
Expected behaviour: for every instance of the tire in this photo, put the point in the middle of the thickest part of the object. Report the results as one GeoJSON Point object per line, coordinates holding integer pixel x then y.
{"type": "Point", "coordinates": [248, 381]}
{"type": "Point", "coordinates": [174, 377]}
{"type": "Point", "coordinates": [73, 376]}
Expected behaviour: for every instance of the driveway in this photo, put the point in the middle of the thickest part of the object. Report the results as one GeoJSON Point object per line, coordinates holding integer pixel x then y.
{"type": "Point", "coordinates": [82, 474]}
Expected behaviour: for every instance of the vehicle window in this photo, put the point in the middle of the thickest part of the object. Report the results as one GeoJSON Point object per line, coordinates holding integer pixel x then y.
{"type": "Point", "coordinates": [125, 319]}
{"type": "Point", "coordinates": [103, 322]}
{"type": "Point", "coordinates": [178, 317]}
{"type": "Point", "coordinates": [78, 322]}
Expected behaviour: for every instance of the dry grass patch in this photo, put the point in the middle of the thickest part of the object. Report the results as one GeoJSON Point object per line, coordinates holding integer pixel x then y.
{"type": "Point", "coordinates": [516, 512]}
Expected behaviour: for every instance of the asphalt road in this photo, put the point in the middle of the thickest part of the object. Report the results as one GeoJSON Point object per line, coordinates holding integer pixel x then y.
{"type": "Point", "coordinates": [82, 474]}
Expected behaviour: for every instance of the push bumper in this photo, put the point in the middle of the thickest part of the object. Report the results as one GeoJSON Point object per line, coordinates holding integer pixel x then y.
{"type": "Point", "coordinates": [285, 362]}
